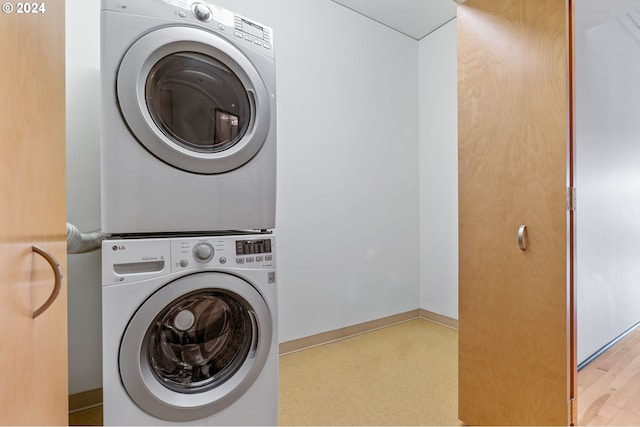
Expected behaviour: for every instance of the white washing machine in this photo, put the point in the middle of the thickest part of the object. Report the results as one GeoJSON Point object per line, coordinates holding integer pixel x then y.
{"type": "Point", "coordinates": [188, 130]}
{"type": "Point", "coordinates": [190, 331]}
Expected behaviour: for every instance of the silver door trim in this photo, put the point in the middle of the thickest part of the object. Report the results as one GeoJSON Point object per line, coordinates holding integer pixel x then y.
{"type": "Point", "coordinates": [158, 400]}
{"type": "Point", "coordinates": [130, 91]}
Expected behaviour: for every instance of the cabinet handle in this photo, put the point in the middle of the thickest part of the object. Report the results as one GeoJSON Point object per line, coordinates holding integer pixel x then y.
{"type": "Point", "coordinates": [57, 273]}
{"type": "Point", "coordinates": [521, 241]}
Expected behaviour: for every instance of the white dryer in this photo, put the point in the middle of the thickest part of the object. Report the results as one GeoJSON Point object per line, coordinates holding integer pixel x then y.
{"type": "Point", "coordinates": [190, 331]}
{"type": "Point", "coordinates": [188, 129]}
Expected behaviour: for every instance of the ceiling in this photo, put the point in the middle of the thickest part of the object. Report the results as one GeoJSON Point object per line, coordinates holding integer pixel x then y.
{"type": "Point", "coordinates": [414, 18]}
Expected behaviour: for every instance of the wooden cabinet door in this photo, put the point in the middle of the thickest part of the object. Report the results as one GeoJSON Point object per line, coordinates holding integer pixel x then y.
{"type": "Point", "coordinates": [33, 352]}
{"type": "Point", "coordinates": [515, 339]}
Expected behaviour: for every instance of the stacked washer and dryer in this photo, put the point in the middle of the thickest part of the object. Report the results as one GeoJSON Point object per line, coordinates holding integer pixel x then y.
{"type": "Point", "coordinates": [188, 167]}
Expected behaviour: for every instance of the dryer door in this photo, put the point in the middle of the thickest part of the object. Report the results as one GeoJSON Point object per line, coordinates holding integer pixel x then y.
{"type": "Point", "coordinates": [193, 100]}
{"type": "Point", "coordinates": [195, 346]}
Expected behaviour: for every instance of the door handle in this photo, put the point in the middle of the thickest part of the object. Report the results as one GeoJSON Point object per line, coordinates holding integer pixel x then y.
{"type": "Point", "coordinates": [57, 274]}
{"type": "Point", "coordinates": [254, 334]}
{"type": "Point", "coordinates": [521, 237]}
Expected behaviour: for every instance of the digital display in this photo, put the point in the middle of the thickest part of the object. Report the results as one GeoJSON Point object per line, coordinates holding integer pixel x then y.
{"type": "Point", "coordinates": [252, 247]}
{"type": "Point", "coordinates": [253, 29]}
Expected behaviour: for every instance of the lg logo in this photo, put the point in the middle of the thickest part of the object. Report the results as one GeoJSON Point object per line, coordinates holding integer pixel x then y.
{"type": "Point", "coordinates": [118, 248]}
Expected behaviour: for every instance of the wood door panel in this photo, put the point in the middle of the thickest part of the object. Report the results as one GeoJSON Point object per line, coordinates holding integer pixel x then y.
{"type": "Point", "coordinates": [33, 122]}
{"type": "Point", "coordinates": [513, 139]}
{"type": "Point", "coordinates": [33, 353]}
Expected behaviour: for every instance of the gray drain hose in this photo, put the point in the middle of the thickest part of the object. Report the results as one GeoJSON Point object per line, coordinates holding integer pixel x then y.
{"type": "Point", "coordinates": [79, 242]}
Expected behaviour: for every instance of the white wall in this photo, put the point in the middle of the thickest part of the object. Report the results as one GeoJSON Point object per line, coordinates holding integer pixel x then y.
{"type": "Point", "coordinates": [608, 171]}
{"type": "Point", "coordinates": [439, 171]}
{"type": "Point", "coordinates": [347, 218]}
{"type": "Point", "coordinates": [348, 172]}
{"type": "Point", "coordinates": [83, 191]}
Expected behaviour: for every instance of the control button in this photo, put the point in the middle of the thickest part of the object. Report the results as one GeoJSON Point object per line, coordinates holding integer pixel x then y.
{"type": "Point", "coordinates": [221, 27]}
{"type": "Point", "coordinates": [259, 259]}
{"type": "Point", "coordinates": [184, 263]}
{"type": "Point", "coordinates": [248, 38]}
{"type": "Point", "coordinates": [258, 42]}
{"type": "Point", "coordinates": [202, 11]}
{"type": "Point", "coordinates": [268, 257]}
{"type": "Point", "coordinates": [223, 260]}
{"type": "Point", "coordinates": [240, 260]}
{"type": "Point", "coordinates": [238, 34]}
{"type": "Point", "coordinates": [249, 259]}
{"type": "Point", "coordinates": [181, 14]}
{"type": "Point", "coordinates": [203, 252]}
{"type": "Point", "coordinates": [266, 45]}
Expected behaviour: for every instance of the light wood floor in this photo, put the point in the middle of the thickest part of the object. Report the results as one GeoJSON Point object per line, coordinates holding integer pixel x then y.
{"type": "Point", "coordinates": [406, 374]}
{"type": "Point", "coordinates": [609, 387]}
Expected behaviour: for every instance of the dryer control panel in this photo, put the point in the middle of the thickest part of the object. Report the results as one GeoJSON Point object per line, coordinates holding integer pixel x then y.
{"type": "Point", "coordinates": [237, 28]}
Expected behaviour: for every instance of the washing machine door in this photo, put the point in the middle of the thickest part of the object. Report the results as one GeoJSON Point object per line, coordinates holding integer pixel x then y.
{"type": "Point", "coordinates": [193, 100]}
{"type": "Point", "coordinates": [195, 346]}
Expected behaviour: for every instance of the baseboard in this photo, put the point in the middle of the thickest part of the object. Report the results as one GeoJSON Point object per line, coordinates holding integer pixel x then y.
{"type": "Point", "coordinates": [440, 319]}
{"type": "Point", "coordinates": [85, 400]}
{"type": "Point", "coordinates": [92, 398]}
{"type": "Point", "coordinates": [342, 333]}
{"type": "Point", "coordinates": [602, 350]}
{"type": "Point", "coordinates": [361, 328]}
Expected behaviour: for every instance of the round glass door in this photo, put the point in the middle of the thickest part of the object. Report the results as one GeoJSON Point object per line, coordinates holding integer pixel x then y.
{"type": "Point", "coordinates": [199, 341]}
{"type": "Point", "coordinates": [198, 102]}
{"type": "Point", "coordinates": [195, 346]}
{"type": "Point", "coordinates": [193, 100]}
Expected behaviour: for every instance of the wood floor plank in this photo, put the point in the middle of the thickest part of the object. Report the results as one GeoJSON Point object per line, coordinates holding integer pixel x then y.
{"type": "Point", "coordinates": [608, 411]}
{"type": "Point", "coordinates": [588, 376]}
{"type": "Point", "coordinates": [609, 387]}
{"type": "Point", "coordinates": [633, 404]}
{"type": "Point", "coordinates": [620, 398]}
{"type": "Point", "coordinates": [597, 421]}
{"type": "Point", "coordinates": [617, 375]}
{"type": "Point", "coordinates": [624, 418]}
{"type": "Point", "coordinates": [610, 359]}
{"type": "Point", "coordinates": [594, 410]}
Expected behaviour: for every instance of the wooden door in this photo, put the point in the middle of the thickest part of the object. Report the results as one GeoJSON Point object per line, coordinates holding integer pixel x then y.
{"type": "Point", "coordinates": [515, 312]}
{"type": "Point", "coordinates": [33, 352]}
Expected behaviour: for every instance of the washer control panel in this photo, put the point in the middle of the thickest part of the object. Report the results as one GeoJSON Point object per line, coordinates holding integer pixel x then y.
{"type": "Point", "coordinates": [253, 250]}
{"type": "Point", "coordinates": [132, 260]}
{"type": "Point", "coordinates": [237, 251]}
